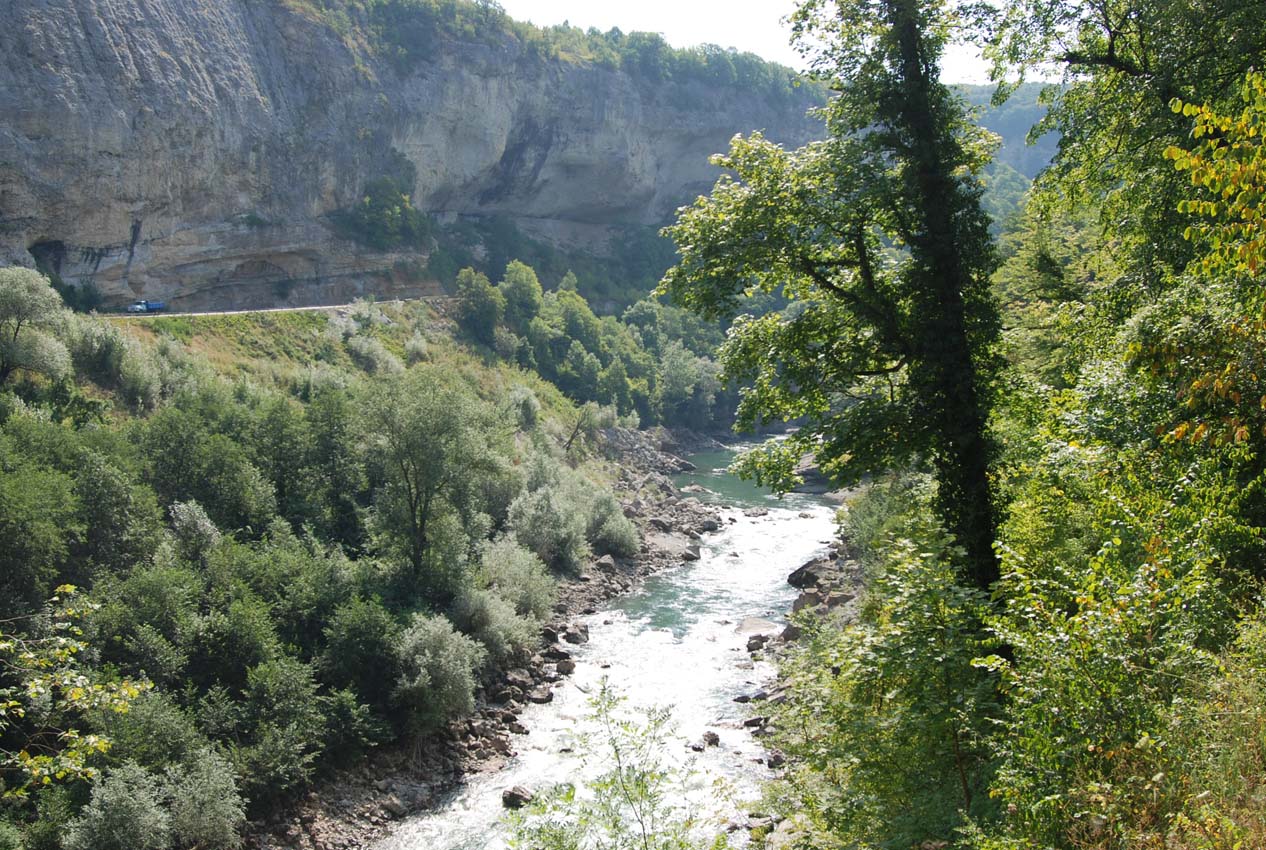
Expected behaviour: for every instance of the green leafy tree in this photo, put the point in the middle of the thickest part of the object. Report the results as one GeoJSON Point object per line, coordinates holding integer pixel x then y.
{"type": "Point", "coordinates": [385, 218]}
{"type": "Point", "coordinates": [1124, 61]}
{"type": "Point", "coordinates": [38, 522]}
{"type": "Point", "coordinates": [480, 305]}
{"type": "Point", "coordinates": [46, 691]}
{"type": "Point", "coordinates": [886, 352]}
{"type": "Point", "coordinates": [29, 310]}
{"type": "Point", "coordinates": [523, 296]}
{"type": "Point", "coordinates": [428, 436]}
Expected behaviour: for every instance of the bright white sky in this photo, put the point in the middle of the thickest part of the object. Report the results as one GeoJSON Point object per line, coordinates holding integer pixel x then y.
{"type": "Point", "coordinates": [749, 25]}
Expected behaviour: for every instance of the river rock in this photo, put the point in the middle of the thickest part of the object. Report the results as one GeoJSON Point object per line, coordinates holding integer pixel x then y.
{"type": "Point", "coordinates": [577, 633]}
{"type": "Point", "coordinates": [709, 525]}
{"type": "Point", "coordinates": [556, 653]}
{"type": "Point", "coordinates": [540, 695]}
{"type": "Point", "coordinates": [395, 807]}
{"type": "Point", "coordinates": [566, 667]}
{"type": "Point", "coordinates": [711, 739]}
{"type": "Point", "coordinates": [692, 553]}
{"type": "Point", "coordinates": [810, 574]}
{"type": "Point", "coordinates": [606, 563]}
{"type": "Point", "coordinates": [756, 512]}
{"type": "Point", "coordinates": [807, 599]}
{"type": "Point", "coordinates": [520, 678]}
{"type": "Point", "coordinates": [660, 524]}
{"type": "Point", "coordinates": [516, 797]}
{"type": "Point", "coordinates": [756, 642]}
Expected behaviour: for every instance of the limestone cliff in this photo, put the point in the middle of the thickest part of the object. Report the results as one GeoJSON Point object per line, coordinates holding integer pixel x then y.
{"type": "Point", "coordinates": [193, 150]}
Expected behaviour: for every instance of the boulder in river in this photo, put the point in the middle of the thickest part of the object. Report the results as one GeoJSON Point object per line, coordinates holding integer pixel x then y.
{"type": "Point", "coordinates": [811, 574]}
{"type": "Point", "coordinates": [516, 797]}
{"type": "Point", "coordinates": [577, 633]}
{"type": "Point", "coordinates": [540, 695]}
{"type": "Point", "coordinates": [692, 553]}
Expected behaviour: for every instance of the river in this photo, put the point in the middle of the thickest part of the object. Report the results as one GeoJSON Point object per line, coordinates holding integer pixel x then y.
{"type": "Point", "coordinates": [675, 642]}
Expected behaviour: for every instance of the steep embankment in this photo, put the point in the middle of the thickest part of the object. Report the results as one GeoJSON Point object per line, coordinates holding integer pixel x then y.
{"type": "Point", "coordinates": [193, 150]}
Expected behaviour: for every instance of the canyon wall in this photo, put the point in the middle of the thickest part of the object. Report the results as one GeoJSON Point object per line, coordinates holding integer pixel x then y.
{"type": "Point", "coordinates": [193, 150]}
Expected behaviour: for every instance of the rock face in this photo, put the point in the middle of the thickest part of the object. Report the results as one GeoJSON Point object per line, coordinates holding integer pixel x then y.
{"type": "Point", "coordinates": [192, 150]}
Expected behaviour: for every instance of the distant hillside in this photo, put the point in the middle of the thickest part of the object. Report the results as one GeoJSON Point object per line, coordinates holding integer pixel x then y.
{"type": "Point", "coordinates": [1016, 162]}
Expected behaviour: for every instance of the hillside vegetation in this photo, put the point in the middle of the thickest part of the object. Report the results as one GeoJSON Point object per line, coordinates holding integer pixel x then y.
{"type": "Point", "coordinates": [241, 550]}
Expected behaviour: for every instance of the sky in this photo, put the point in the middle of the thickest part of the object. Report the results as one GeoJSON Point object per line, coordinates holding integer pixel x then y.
{"type": "Point", "coordinates": [748, 25]}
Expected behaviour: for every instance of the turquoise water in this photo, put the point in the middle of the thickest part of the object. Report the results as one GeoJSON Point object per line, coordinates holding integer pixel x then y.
{"type": "Point", "coordinates": [720, 487]}
{"type": "Point", "coordinates": [678, 641]}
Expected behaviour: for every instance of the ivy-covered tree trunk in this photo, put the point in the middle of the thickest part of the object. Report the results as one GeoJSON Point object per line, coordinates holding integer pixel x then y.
{"type": "Point", "coordinates": [946, 373]}
{"type": "Point", "coordinates": [876, 233]}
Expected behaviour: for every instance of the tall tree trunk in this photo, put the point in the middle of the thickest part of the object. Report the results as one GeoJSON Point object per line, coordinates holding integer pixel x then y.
{"type": "Point", "coordinates": [949, 375]}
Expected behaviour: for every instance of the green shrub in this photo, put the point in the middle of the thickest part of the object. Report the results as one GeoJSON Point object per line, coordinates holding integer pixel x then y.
{"type": "Point", "coordinates": [886, 722]}
{"type": "Point", "coordinates": [360, 650]}
{"type": "Point", "coordinates": [282, 715]}
{"type": "Point", "coordinates": [517, 576]}
{"type": "Point", "coordinates": [351, 727]}
{"type": "Point", "coordinates": [154, 732]}
{"type": "Point", "coordinates": [506, 636]}
{"type": "Point", "coordinates": [384, 219]}
{"type": "Point", "coordinates": [506, 343]}
{"type": "Point", "coordinates": [438, 666]}
{"type": "Point", "coordinates": [526, 407]}
{"type": "Point", "coordinates": [140, 379]}
{"type": "Point", "coordinates": [125, 813]}
{"type": "Point", "coordinates": [55, 808]}
{"type": "Point", "coordinates": [551, 525]}
{"type": "Point", "coordinates": [194, 532]}
{"type": "Point", "coordinates": [206, 810]}
{"type": "Point", "coordinates": [98, 349]}
{"type": "Point", "coordinates": [227, 642]}
{"type": "Point", "coordinates": [609, 531]}
{"type": "Point", "coordinates": [370, 355]}
{"type": "Point", "coordinates": [415, 350]}
{"type": "Point", "coordinates": [10, 837]}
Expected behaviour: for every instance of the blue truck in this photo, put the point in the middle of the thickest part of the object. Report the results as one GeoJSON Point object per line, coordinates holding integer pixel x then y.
{"type": "Point", "coordinates": [146, 306]}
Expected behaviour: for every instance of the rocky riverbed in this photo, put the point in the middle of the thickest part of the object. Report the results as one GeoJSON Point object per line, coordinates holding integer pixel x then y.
{"type": "Point", "coordinates": [359, 805]}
